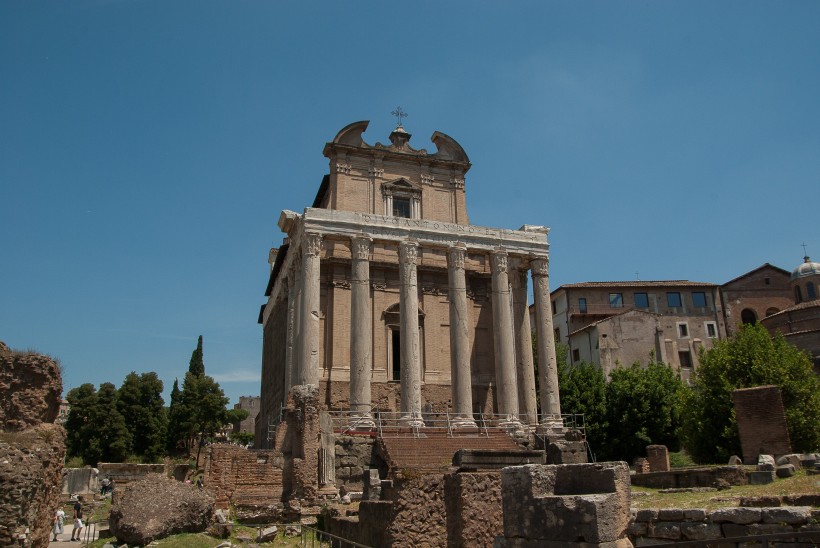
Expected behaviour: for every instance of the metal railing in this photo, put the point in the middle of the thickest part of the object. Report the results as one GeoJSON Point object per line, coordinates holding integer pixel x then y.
{"type": "Point", "coordinates": [314, 538]}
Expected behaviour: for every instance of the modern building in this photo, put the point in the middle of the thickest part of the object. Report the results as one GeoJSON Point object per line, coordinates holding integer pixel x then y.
{"type": "Point", "coordinates": [755, 295]}
{"type": "Point", "coordinates": [620, 323]}
{"type": "Point", "coordinates": [386, 297]}
{"type": "Point", "coordinates": [799, 323]}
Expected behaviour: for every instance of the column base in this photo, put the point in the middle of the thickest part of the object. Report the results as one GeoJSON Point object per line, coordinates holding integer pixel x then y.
{"type": "Point", "coordinates": [511, 422]}
{"type": "Point", "coordinates": [550, 425]}
{"type": "Point", "coordinates": [463, 422]}
{"type": "Point", "coordinates": [363, 422]}
{"type": "Point", "coordinates": [412, 420]}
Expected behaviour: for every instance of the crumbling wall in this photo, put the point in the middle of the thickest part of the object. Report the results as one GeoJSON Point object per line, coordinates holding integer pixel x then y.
{"type": "Point", "coordinates": [249, 480]}
{"type": "Point", "coordinates": [123, 473]}
{"type": "Point", "coordinates": [761, 422]}
{"type": "Point", "coordinates": [32, 448]}
{"type": "Point", "coordinates": [354, 455]}
{"type": "Point", "coordinates": [692, 477]}
{"type": "Point", "coordinates": [473, 503]}
{"type": "Point", "coordinates": [669, 525]}
{"type": "Point", "coordinates": [418, 516]}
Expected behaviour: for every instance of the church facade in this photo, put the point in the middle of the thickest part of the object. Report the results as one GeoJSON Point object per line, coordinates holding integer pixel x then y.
{"type": "Point", "coordinates": [387, 298]}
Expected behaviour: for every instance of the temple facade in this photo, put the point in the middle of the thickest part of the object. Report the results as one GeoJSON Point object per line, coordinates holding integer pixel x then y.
{"type": "Point", "coordinates": [388, 299]}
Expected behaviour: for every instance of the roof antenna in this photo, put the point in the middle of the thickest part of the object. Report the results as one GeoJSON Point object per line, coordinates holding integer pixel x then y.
{"type": "Point", "coordinates": [805, 255]}
{"type": "Point", "coordinates": [637, 276]}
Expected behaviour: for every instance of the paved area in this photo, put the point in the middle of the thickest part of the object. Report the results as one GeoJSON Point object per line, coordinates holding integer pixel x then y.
{"type": "Point", "coordinates": [64, 539]}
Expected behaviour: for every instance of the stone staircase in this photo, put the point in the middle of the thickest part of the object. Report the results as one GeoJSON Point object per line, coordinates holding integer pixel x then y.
{"type": "Point", "coordinates": [434, 449]}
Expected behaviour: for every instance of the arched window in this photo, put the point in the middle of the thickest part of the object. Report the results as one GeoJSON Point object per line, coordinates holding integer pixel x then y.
{"type": "Point", "coordinates": [798, 295]}
{"type": "Point", "coordinates": [811, 293]}
{"type": "Point", "coordinates": [748, 316]}
{"type": "Point", "coordinates": [771, 311]}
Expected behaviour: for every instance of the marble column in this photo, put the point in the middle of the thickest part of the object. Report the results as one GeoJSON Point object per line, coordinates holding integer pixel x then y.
{"type": "Point", "coordinates": [361, 332]}
{"type": "Point", "coordinates": [461, 379]}
{"type": "Point", "coordinates": [308, 370]}
{"type": "Point", "coordinates": [506, 393]}
{"type": "Point", "coordinates": [409, 336]}
{"type": "Point", "coordinates": [524, 369]}
{"type": "Point", "coordinates": [547, 364]}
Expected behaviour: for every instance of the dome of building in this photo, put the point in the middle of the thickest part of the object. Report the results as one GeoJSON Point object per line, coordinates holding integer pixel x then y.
{"type": "Point", "coordinates": [806, 268]}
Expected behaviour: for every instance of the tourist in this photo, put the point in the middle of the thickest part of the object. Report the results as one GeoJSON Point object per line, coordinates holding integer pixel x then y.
{"type": "Point", "coordinates": [78, 520]}
{"type": "Point", "coordinates": [59, 517]}
{"type": "Point", "coordinates": [104, 488]}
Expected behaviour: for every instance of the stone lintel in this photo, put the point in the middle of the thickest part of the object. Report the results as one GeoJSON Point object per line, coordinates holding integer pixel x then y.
{"type": "Point", "coordinates": [495, 459]}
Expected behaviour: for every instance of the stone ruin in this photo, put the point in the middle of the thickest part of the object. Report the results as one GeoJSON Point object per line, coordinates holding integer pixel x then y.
{"type": "Point", "coordinates": [32, 447]}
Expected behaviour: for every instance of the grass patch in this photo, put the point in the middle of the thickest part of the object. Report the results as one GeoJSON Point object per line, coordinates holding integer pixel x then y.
{"type": "Point", "coordinates": [799, 484]}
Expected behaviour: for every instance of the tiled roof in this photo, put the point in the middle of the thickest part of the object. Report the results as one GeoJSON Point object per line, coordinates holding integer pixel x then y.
{"type": "Point", "coordinates": [805, 304]}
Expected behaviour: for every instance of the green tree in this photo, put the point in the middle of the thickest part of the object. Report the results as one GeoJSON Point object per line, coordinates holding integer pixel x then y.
{"type": "Point", "coordinates": [643, 408]}
{"type": "Point", "coordinates": [752, 358]}
{"type": "Point", "coordinates": [140, 403]}
{"type": "Point", "coordinates": [197, 365]}
{"type": "Point", "coordinates": [174, 435]}
{"type": "Point", "coordinates": [112, 434]}
{"type": "Point", "coordinates": [83, 402]}
{"type": "Point", "coordinates": [200, 409]}
{"type": "Point", "coordinates": [583, 391]}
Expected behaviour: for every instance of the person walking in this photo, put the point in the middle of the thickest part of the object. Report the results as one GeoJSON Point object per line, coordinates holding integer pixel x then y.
{"type": "Point", "coordinates": [59, 517]}
{"type": "Point", "coordinates": [78, 520]}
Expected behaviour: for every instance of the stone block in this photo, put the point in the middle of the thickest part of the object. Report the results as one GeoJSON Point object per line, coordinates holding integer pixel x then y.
{"type": "Point", "coordinates": [785, 471]}
{"type": "Point", "coordinates": [495, 459]}
{"type": "Point", "coordinates": [700, 531]}
{"type": "Point", "coordinates": [566, 503]}
{"type": "Point", "coordinates": [637, 529]}
{"type": "Point", "coordinates": [694, 514]}
{"type": "Point", "coordinates": [740, 516]}
{"type": "Point", "coordinates": [734, 460]}
{"type": "Point", "coordinates": [658, 457]}
{"type": "Point", "coordinates": [734, 530]}
{"type": "Point", "coordinates": [766, 463]}
{"type": "Point", "coordinates": [793, 515]}
{"type": "Point", "coordinates": [267, 534]}
{"type": "Point", "coordinates": [670, 514]}
{"type": "Point", "coordinates": [647, 514]}
{"type": "Point", "coordinates": [761, 477]}
{"type": "Point", "coordinates": [566, 452]}
{"type": "Point", "coordinates": [792, 458]}
{"type": "Point", "coordinates": [665, 530]}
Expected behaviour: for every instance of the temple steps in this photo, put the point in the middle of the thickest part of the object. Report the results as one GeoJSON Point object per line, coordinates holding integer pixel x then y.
{"type": "Point", "coordinates": [434, 450]}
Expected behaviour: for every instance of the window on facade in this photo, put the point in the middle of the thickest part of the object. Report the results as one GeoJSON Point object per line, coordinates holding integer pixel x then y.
{"type": "Point", "coordinates": [748, 316]}
{"type": "Point", "coordinates": [798, 295]}
{"type": "Point", "coordinates": [616, 300]}
{"type": "Point", "coordinates": [401, 207]}
{"type": "Point", "coordinates": [576, 355]}
{"type": "Point", "coordinates": [685, 358]}
{"type": "Point", "coordinates": [582, 305]}
{"type": "Point", "coordinates": [396, 355]}
{"type": "Point", "coordinates": [553, 307]}
{"type": "Point", "coordinates": [711, 330]}
{"type": "Point", "coordinates": [767, 280]}
{"type": "Point", "coordinates": [641, 300]}
{"type": "Point", "coordinates": [699, 299]}
{"type": "Point", "coordinates": [683, 330]}
{"type": "Point", "coordinates": [811, 293]}
{"type": "Point", "coordinates": [673, 300]}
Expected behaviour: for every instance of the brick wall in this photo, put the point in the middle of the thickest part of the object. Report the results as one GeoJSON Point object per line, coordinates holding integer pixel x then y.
{"type": "Point", "coordinates": [658, 457]}
{"type": "Point", "coordinates": [761, 422]}
{"type": "Point", "coordinates": [239, 476]}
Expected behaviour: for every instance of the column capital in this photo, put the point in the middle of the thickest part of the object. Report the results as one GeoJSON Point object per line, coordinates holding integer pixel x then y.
{"type": "Point", "coordinates": [408, 252]}
{"type": "Point", "coordinates": [360, 247]}
{"type": "Point", "coordinates": [456, 254]}
{"type": "Point", "coordinates": [540, 266]}
{"type": "Point", "coordinates": [499, 260]}
{"type": "Point", "coordinates": [311, 243]}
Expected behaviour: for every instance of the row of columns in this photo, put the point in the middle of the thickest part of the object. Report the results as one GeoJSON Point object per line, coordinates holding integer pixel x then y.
{"type": "Point", "coordinates": [515, 382]}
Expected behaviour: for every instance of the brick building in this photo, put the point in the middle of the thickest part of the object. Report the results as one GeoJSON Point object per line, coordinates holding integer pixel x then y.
{"type": "Point", "coordinates": [251, 405]}
{"type": "Point", "coordinates": [755, 295]}
{"type": "Point", "coordinates": [384, 295]}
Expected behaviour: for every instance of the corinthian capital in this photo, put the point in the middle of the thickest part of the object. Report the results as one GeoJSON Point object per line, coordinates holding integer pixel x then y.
{"type": "Point", "coordinates": [499, 261]}
{"type": "Point", "coordinates": [540, 266]}
{"type": "Point", "coordinates": [312, 243]}
{"type": "Point", "coordinates": [408, 252]}
{"type": "Point", "coordinates": [360, 247]}
{"type": "Point", "coordinates": [456, 254]}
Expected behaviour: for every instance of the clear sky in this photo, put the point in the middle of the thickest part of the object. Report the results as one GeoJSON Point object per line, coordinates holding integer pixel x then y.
{"type": "Point", "coordinates": [147, 148]}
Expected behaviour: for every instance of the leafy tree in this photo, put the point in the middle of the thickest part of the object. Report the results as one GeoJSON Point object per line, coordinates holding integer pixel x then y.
{"type": "Point", "coordinates": [242, 438]}
{"type": "Point", "coordinates": [83, 401]}
{"type": "Point", "coordinates": [583, 391]}
{"type": "Point", "coordinates": [751, 358]}
{"type": "Point", "coordinates": [140, 403]}
{"type": "Point", "coordinates": [643, 408]}
{"type": "Point", "coordinates": [96, 430]}
{"type": "Point", "coordinates": [113, 436]}
{"type": "Point", "coordinates": [174, 419]}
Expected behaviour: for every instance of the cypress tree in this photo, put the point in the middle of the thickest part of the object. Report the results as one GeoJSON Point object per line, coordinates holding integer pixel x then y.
{"type": "Point", "coordinates": [197, 366]}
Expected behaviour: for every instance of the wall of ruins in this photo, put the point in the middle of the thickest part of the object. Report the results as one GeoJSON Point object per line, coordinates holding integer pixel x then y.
{"type": "Point", "coordinates": [691, 477]}
{"type": "Point", "coordinates": [473, 504]}
{"type": "Point", "coordinates": [354, 455]}
{"type": "Point", "coordinates": [676, 524]}
{"type": "Point", "coordinates": [761, 422]}
{"type": "Point", "coordinates": [250, 481]}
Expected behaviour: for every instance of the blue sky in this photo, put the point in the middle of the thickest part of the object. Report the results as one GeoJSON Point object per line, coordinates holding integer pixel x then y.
{"type": "Point", "coordinates": [147, 148]}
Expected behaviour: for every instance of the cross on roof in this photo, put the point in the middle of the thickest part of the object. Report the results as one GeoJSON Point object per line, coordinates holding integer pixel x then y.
{"type": "Point", "coordinates": [399, 114]}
